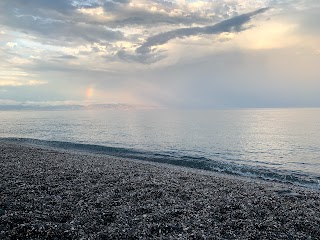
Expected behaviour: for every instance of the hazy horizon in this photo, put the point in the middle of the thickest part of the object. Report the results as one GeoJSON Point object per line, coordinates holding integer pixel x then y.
{"type": "Point", "coordinates": [167, 54]}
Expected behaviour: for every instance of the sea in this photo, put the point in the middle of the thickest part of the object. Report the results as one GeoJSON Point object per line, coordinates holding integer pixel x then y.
{"type": "Point", "coordinates": [280, 145]}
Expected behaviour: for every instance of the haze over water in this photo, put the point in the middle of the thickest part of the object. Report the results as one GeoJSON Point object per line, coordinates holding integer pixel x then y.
{"type": "Point", "coordinates": [281, 144]}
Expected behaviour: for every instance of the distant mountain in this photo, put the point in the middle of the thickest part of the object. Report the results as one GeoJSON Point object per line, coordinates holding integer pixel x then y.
{"type": "Point", "coordinates": [74, 107]}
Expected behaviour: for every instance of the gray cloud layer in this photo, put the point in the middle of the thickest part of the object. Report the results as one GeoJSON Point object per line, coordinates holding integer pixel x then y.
{"type": "Point", "coordinates": [126, 15]}
{"type": "Point", "coordinates": [60, 22]}
{"type": "Point", "coordinates": [233, 24]}
{"type": "Point", "coordinates": [54, 21]}
{"type": "Point", "coordinates": [145, 55]}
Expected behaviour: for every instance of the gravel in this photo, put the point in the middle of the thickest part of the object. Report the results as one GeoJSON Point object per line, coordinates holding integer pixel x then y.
{"type": "Point", "coordinates": [56, 194]}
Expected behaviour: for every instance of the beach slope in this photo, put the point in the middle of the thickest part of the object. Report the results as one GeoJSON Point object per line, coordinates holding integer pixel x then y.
{"type": "Point", "coordinates": [55, 194]}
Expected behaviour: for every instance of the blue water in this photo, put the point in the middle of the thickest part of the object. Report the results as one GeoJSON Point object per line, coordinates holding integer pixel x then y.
{"type": "Point", "coordinates": [275, 144]}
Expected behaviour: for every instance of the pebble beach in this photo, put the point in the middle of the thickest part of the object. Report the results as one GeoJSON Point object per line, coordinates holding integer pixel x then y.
{"type": "Point", "coordinates": [58, 194]}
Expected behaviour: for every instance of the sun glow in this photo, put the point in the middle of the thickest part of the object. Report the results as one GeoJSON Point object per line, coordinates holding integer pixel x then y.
{"type": "Point", "coordinates": [271, 35]}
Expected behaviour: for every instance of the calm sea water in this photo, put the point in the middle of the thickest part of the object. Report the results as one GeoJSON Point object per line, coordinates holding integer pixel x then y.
{"type": "Point", "coordinates": [280, 144]}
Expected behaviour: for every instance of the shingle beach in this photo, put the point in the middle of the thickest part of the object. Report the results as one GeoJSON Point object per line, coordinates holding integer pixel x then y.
{"type": "Point", "coordinates": [58, 194]}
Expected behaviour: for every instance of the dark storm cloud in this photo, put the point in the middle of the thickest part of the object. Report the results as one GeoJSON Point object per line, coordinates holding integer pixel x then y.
{"type": "Point", "coordinates": [234, 24]}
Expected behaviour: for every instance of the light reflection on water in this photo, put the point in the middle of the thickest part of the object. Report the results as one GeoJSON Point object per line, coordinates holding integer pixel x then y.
{"type": "Point", "coordinates": [284, 139]}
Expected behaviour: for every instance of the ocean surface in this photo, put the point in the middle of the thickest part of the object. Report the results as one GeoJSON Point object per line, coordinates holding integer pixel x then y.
{"type": "Point", "coordinates": [272, 144]}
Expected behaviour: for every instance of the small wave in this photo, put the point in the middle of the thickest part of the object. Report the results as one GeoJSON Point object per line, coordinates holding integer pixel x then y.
{"type": "Point", "coordinates": [176, 158]}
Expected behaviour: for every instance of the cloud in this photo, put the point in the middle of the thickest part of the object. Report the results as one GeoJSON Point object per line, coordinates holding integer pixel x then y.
{"type": "Point", "coordinates": [146, 58]}
{"type": "Point", "coordinates": [11, 44]}
{"type": "Point", "coordinates": [67, 57]}
{"type": "Point", "coordinates": [106, 23]}
{"type": "Point", "coordinates": [53, 22]}
{"type": "Point", "coordinates": [18, 83]}
{"type": "Point", "coordinates": [234, 24]}
{"type": "Point", "coordinates": [66, 22]}
{"type": "Point", "coordinates": [145, 54]}
{"type": "Point", "coordinates": [56, 32]}
{"type": "Point", "coordinates": [61, 6]}
{"type": "Point", "coordinates": [149, 13]}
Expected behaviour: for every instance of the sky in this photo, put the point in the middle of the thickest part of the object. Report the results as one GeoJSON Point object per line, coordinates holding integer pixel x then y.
{"type": "Point", "coordinates": [161, 53]}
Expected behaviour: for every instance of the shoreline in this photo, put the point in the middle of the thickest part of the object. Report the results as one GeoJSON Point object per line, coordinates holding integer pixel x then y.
{"type": "Point", "coordinates": [196, 163]}
{"type": "Point", "coordinates": [52, 194]}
